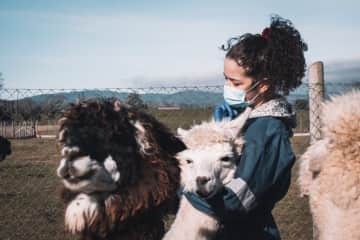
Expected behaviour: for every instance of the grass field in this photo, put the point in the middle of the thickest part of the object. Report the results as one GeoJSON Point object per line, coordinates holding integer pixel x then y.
{"type": "Point", "coordinates": [30, 207]}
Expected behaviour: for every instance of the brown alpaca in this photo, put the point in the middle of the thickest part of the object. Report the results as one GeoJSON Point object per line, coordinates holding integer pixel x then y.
{"type": "Point", "coordinates": [330, 170]}
{"type": "Point", "coordinates": [119, 171]}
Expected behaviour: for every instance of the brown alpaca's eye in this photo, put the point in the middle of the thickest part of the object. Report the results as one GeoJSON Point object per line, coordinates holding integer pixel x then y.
{"type": "Point", "coordinates": [225, 159]}
{"type": "Point", "coordinates": [188, 161]}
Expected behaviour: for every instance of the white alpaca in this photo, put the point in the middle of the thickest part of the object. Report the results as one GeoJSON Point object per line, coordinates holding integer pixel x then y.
{"type": "Point", "coordinates": [330, 171]}
{"type": "Point", "coordinates": [207, 164]}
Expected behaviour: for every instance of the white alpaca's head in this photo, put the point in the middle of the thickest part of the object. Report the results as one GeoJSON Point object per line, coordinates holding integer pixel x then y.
{"type": "Point", "coordinates": [204, 171]}
{"type": "Point", "coordinates": [213, 149]}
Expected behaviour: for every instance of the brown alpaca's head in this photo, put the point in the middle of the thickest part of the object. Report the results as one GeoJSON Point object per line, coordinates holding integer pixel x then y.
{"type": "Point", "coordinates": [100, 148]}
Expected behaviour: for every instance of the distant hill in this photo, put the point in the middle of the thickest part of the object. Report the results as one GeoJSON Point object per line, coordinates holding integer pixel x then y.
{"type": "Point", "coordinates": [180, 98]}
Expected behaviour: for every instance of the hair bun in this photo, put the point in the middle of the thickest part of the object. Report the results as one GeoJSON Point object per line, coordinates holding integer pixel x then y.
{"type": "Point", "coordinates": [266, 33]}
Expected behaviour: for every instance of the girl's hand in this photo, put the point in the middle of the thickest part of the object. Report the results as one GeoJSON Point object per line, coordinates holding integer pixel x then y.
{"type": "Point", "coordinates": [224, 112]}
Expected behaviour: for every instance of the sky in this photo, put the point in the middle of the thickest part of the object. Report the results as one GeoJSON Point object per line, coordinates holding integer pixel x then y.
{"type": "Point", "coordinates": [116, 44]}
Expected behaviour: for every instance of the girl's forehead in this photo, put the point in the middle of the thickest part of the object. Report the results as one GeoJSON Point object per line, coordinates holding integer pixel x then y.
{"type": "Point", "coordinates": [231, 66]}
{"type": "Point", "coordinates": [234, 72]}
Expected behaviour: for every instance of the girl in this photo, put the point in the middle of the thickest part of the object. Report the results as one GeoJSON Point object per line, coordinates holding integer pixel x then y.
{"type": "Point", "coordinates": [257, 69]}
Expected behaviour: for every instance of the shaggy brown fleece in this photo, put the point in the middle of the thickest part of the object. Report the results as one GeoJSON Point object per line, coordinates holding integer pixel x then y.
{"type": "Point", "coordinates": [149, 173]}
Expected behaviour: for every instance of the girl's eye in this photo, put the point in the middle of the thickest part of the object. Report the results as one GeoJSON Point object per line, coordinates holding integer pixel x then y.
{"type": "Point", "coordinates": [188, 161]}
{"type": "Point", "coordinates": [225, 159]}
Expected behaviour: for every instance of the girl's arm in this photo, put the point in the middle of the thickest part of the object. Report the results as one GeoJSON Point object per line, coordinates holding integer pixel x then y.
{"type": "Point", "coordinates": [266, 161]}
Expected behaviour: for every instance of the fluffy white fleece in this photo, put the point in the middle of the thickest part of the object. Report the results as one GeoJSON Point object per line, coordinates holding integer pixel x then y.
{"type": "Point", "coordinates": [213, 148]}
{"type": "Point", "coordinates": [330, 170]}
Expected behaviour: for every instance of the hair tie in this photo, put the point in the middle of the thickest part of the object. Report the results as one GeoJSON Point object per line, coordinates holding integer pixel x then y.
{"type": "Point", "coordinates": [266, 32]}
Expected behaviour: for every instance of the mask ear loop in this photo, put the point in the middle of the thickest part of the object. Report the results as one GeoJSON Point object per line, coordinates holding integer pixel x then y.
{"type": "Point", "coordinates": [252, 101]}
{"type": "Point", "coordinates": [253, 86]}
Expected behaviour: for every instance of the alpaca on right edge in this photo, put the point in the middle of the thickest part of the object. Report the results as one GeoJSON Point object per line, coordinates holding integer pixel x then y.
{"type": "Point", "coordinates": [330, 170]}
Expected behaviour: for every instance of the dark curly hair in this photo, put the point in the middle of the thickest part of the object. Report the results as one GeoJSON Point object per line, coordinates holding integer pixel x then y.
{"type": "Point", "coordinates": [276, 55]}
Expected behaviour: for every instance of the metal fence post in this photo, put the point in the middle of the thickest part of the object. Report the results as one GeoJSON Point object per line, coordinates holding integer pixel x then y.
{"type": "Point", "coordinates": [316, 97]}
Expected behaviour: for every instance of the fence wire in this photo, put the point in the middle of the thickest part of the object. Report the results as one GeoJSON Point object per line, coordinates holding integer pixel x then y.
{"type": "Point", "coordinates": [174, 106]}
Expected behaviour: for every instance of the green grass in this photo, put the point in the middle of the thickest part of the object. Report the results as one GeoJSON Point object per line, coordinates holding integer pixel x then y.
{"type": "Point", "coordinates": [30, 205]}
{"type": "Point", "coordinates": [31, 208]}
{"type": "Point", "coordinates": [292, 213]}
{"type": "Point", "coordinates": [29, 192]}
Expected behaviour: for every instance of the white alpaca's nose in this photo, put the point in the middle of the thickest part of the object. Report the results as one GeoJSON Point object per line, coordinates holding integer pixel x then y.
{"type": "Point", "coordinates": [202, 180]}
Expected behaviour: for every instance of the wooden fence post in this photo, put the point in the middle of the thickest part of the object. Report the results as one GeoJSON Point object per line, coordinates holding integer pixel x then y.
{"type": "Point", "coordinates": [13, 128]}
{"type": "Point", "coordinates": [37, 129]}
{"type": "Point", "coordinates": [316, 97]}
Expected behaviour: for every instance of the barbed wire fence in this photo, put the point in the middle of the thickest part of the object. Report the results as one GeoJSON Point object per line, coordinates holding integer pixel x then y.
{"type": "Point", "coordinates": [30, 207]}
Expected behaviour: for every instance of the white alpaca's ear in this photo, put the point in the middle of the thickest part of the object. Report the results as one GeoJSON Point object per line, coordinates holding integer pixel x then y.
{"type": "Point", "coordinates": [182, 132]}
{"type": "Point", "coordinates": [238, 123]}
{"type": "Point", "coordinates": [178, 157]}
{"type": "Point", "coordinates": [117, 105]}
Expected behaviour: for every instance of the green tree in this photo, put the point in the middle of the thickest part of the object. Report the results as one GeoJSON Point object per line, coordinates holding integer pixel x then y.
{"type": "Point", "coordinates": [53, 106]}
{"type": "Point", "coordinates": [134, 99]}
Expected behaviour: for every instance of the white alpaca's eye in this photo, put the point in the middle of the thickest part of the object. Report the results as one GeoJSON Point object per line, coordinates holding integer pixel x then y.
{"type": "Point", "coordinates": [225, 159]}
{"type": "Point", "coordinates": [188, 161]}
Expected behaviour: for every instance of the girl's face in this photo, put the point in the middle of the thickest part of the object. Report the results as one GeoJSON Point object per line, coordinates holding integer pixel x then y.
{"type": "Point", "coordinates": [235, 76]}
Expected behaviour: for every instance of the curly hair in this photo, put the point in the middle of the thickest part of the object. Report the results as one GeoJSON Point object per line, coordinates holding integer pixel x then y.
{"type": "Point", "coordinates": [276, 55]}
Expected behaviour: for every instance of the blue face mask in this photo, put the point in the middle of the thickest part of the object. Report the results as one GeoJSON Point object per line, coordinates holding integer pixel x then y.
{"type": "Point", "coordinates": [236, 97]}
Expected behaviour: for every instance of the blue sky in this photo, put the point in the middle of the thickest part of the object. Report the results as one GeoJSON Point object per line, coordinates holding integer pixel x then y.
{"type": "Point", "coordinates": [98, 44]}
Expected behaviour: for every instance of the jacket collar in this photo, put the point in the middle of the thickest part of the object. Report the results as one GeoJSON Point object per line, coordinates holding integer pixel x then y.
{"type": "Point", "coordinates": [278, 107]}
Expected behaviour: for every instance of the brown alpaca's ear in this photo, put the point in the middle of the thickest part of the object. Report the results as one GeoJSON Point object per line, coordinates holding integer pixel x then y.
{"type": "Point", "coordinates": [61, 135]}
{"type": "Point", "coordinates": [117, 105]}
{"type": "Point", "coordinates": [61, 120]}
